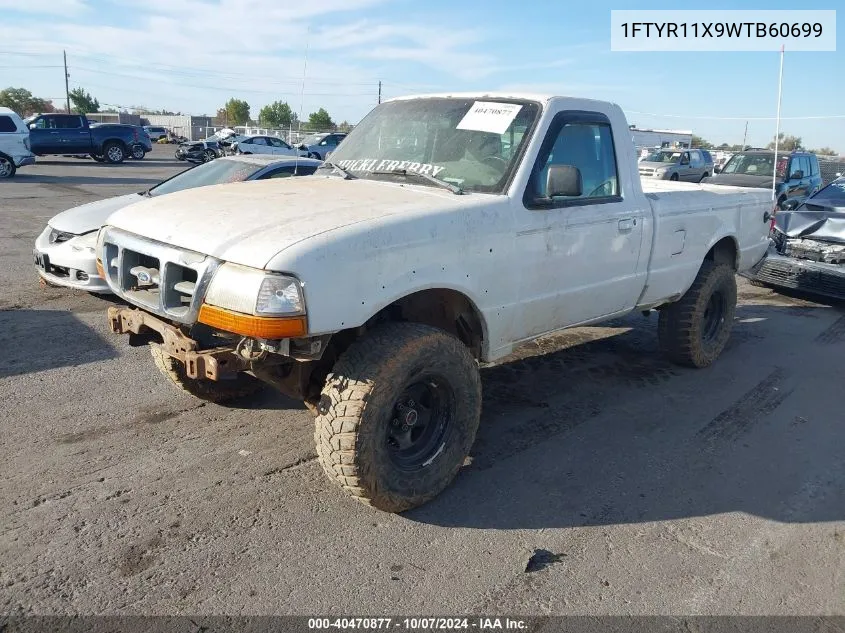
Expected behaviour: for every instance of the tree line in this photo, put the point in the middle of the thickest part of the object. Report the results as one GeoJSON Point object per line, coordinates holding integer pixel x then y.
{"type": "Point", "coordinates": [786, 143]}
{"type": "Point", "coordinates": [276, 115]}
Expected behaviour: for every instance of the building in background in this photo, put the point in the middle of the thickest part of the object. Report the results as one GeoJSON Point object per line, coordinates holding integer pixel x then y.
{"type": "Point", "coordinates": [650, 139]}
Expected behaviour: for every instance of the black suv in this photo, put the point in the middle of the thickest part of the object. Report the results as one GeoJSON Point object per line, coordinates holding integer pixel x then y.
{"type": "Point", "coordinates": [798, 174]}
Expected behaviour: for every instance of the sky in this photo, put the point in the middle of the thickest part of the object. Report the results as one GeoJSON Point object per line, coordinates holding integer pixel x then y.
{"type": "Point", "coordinates": [192, 55]}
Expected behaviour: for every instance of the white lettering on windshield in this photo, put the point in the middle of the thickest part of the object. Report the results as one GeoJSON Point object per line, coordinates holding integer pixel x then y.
{"type": "Point", "coordinates": [374, 164]}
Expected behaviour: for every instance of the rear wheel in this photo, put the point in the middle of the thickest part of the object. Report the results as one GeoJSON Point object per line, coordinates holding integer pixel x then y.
{"type": "Point", "coordinates": [398, 415]}
{"type": "Point", "coordinates": [209, 156]}
{"type": "Point", "coordinates": [210, 390]}
{"type": "Point", "coordinates": [138, 152]}
{"type": "Point", "coordinates": [114, 152]}
{"type": "Point", "coordinates": [7, 167]}
{"type": "Point", "coordinates": [694, 330]}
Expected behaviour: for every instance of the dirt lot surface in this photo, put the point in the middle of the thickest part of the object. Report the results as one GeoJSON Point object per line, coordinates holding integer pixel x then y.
{"type": "Point", "coordinates": [652, 489]}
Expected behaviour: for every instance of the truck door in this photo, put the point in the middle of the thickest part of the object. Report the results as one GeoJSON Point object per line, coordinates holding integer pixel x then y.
{"type": "Point", "coordinates": [44, 135]}
{"type": "Point", "coordinates": [578, 254]}
{"type": "Point", "coordinates": [76, 139]}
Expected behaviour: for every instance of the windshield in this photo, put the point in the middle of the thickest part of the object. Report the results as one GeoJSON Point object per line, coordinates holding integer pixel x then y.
{"type": "Point", "coordinates": [313, 139]}
{"type": "Point", "coordinates": [834, 192]}
{"type": "Point", "coordinates": [468, 143]}
{"type": "Point", "coordinates": [754, 165]}
{"type": "Point", "coordinates": [213, 173]}
{"type": "Point", "coordinates": [663, 157]}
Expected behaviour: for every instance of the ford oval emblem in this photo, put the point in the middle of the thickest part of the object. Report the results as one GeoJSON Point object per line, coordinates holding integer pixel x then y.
{"type": "Point", "coordinates": [144, 277]}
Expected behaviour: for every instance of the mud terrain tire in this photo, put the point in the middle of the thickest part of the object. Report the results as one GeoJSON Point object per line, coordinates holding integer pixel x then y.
{"type": "Point", "coordinates": [694, 330]}
{"type": "Point", "coordinates": [208, 390]}
{"type": "Point", "coordinates": [398, 415]}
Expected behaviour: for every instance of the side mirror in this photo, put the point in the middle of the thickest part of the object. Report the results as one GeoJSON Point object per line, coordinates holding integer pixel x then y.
{"type": "Point", "coordinates": [717, 170]}
{"type": "Point", "coordinates": [790, 205]}
{"type": "Point", "coordinates": [564, 180]}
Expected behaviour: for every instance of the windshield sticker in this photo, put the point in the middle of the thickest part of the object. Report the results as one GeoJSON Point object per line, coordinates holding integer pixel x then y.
{"type": "Point", "coordinates": [375, 164]}
{"type": "Point", "coordinates": [487, 116]}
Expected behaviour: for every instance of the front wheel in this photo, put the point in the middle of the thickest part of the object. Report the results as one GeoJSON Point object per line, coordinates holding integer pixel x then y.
{"type": "Point", "coordinates": [694, 330]}
{"type": "Point", "coordinates": [398, 415]}
{"type": "Point", "coordinates": [7, 167]}
{"type": "Point", "coordinates": [208, 156]}
{"type": "Point", "coordinates": [674, 177]}
{"type": "Point", "coordinates": [210, 390]}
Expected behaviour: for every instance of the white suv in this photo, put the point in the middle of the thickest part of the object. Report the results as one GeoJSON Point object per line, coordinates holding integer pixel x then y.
{"type": "Point", "coordinates": [14, 143]}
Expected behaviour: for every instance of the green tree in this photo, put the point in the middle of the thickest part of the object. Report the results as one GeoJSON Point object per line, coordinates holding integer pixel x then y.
{"type": "Point", "coordinates": [83, 102]}
{"type": "Point", "coordinates": [237, 112]}
{"type": "Point", "coordinates": [825, 151]}
{"type": "Point", "coordinates": [786, 143]}
{"type": "Point", "coordinates": [23, 102]}
{"type": "Point", "coordinates": [276, 115]}
{"type": "Point", "coordinates": [320, 120]}
{"type": "Point", "coordinates": [697, 141]}
{"type": "Point", "coordinates": [346, 126]}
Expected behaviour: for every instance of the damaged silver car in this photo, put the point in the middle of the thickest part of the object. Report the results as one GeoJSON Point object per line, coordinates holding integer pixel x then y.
{"type": "Point", "coordinates": [807, 250]}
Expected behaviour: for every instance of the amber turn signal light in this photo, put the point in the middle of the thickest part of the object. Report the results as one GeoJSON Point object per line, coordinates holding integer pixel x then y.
{"type": "Point", "coordinates": [271, 328]}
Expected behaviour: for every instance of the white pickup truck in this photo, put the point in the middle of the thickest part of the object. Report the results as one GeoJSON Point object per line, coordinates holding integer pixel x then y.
{"type": "Point", "coordinates": [443, 231]}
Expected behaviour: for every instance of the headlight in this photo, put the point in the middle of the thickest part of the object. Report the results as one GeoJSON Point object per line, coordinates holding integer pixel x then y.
{"type": "Point", "coordinates": [252, 291]}
{"type": "Point", "coordinates": [57, 237]}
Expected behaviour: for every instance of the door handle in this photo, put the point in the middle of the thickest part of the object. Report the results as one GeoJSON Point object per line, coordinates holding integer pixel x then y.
{"type": "Point", "coordinates": [626, 225]}
{"type": "Point", "coordinates": [53, 132]}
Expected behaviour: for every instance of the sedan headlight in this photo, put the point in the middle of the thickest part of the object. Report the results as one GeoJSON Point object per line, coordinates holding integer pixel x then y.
{"type": "Point", "coordinates": [254, 303]}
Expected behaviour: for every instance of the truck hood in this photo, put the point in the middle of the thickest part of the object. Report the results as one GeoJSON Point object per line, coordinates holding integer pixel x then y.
{"type": "Point", "coordinates": [249, 223]}
{"type": "Point", "coordinates": [91, 216]}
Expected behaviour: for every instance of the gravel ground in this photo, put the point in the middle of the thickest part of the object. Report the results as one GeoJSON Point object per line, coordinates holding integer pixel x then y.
{"type": "Point", "coordinates": [651, 489]}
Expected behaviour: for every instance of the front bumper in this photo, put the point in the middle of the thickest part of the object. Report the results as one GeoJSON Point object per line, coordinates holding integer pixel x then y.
{"type": "Point", "coordinates": [818, 278]}
{"type": "Point", "coordinates": [219, 363]}
{"type": "Point", "coordinates": [71, 264]}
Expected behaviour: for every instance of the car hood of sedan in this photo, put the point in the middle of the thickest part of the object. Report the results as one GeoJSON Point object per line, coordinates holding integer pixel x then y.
{"type": "Point", "coordinates": [91, 216]}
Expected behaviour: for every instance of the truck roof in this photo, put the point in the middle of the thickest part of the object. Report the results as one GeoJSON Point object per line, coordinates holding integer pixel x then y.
{"type": "Point", "coordinates": [545, 99]}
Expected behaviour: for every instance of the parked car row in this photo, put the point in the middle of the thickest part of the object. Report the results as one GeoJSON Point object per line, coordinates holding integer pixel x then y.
{"type": "Point", "coordinates": [227, 142]}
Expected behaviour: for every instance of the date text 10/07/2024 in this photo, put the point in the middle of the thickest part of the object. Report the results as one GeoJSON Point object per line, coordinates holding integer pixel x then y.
{"type": "Point", "coordinates": [418, 624]}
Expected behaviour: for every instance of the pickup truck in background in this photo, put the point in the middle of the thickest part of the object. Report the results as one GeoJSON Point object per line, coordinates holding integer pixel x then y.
{"type": "Point", "coordinates": [451, 228]}
{"type": "Point", "coordinates": [71, 134]}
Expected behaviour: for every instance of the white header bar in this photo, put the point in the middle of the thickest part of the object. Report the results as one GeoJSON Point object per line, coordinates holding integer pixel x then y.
{"type": "Point", "coordinates": [671, 30]}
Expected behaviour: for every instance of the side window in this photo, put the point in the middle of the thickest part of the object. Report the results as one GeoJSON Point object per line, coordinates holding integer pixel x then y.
{"type": "Point", "coordinates": [7, 125]}
{"type": "Point", "coordinates": [70, 122]}
{"type": "Point", "coordinates": [259, 141]}
{"type": "Point", "coordinates": [814, 165]}
{"type": "Point", "coordinates": [585, 145]}
{"type": "Point", "coordinates": [685, 158]}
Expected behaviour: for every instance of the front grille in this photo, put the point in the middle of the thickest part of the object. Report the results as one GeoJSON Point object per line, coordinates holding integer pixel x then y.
{"type": "Point", "coordinates": [646, 172]}
{"type": "Point", "coordinates": [165, 280]}
{"type": "Point", "coordinates": [806, 277]}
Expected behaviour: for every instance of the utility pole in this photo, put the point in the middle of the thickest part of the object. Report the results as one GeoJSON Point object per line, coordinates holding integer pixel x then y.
{"type": "Point", "coordinates": [67, 89]}
{"type": "Point", "coordinates": [379, 91]}
{"type": "Point", "coordinates": [744, 136]}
